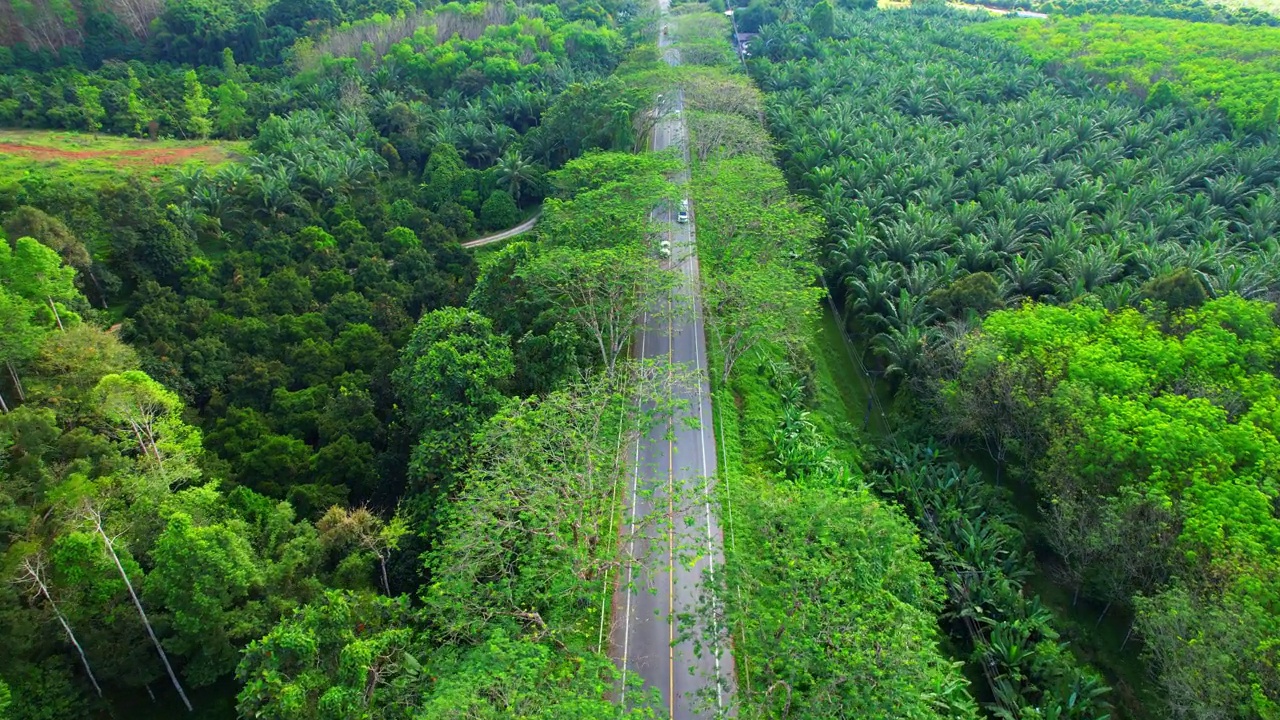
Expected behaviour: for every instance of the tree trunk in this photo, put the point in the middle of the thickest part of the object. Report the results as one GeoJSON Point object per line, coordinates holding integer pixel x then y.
{"type": "Point", "coordinates": [56, 316]}
{"type": "Point", "coordinates": [34, 572]}
{"type": "Point", "coordinates": [17, 382]}
{"type": "Point", "coordinates": [1104, 614]}
{"type": "Point", "coordinates": [142, 444]}
{"type": "Point", "coordinates": [102, 295]}
{"type": "Point", "coordinates": [382, 562]}
{"type": "Point", "coordinates": [72, 637]}
{"type": "Point", "coordinates": [1128, 634]}
{"type": "Point", "coordinates": [1075, 597]}
{"type": "Point", "coordinates": [4, 405]}
{"type": "Point", "coordinates": [164, 658]}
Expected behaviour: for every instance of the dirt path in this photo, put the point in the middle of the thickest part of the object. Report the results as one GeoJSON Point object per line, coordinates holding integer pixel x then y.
{"type": "Point", "coordinates": [156, 155]}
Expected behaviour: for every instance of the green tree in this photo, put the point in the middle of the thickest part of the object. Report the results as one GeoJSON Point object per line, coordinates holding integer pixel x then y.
{"type": "Point", "coordinates": [822, 19]}
{"type": "Point", "coordinates": [604, 292]}
{"type": "Point", "coordinates": [451, 379]}
{"type": "Point", "coordinates": [755, 304]}
{"type": "Point", "coordinates": [345, 655]}
{"type": "Point", "coordinates": [195, 107]}
{"type": "Point", "coordinates": [36, 273]}
{"type": "Point", "coordinates": [499, 211]}
{"type": "Point", "coordinates": [201, 574]}
{"type": "Point", "coordinates": [1179, 290]}
{"type": "Point", "coordinates": [362, 529]}
{"type": "Point", "coordinates": [515, 174]}
{"type": "Point", "coordinates": [90, 97]}
{"type": "Point", "coordinates": [20, 338]}
{"type": "Point", "coordinates": [230, 117]}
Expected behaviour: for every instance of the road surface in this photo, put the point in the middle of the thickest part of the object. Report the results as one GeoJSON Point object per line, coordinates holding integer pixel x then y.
{"type": "Point", "coordinates": [674, 467]}
{"type": "Point", "coordinates": [520, 229]}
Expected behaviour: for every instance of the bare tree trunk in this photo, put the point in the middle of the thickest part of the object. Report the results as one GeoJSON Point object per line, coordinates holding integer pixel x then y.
{"type": "Point", "coordinates": [17, 384]}
{"type": "Point", "coordinates": [102, 295]}
{"type": "Point", "coordinates": [150, 691]}
{"type": "Point", "coordinates": [4, 405]}
{"type": "Point", "coordinates": [382, 562]}
{"type": "Point", "coordinates": [57, 317]}
{"type": "Point", "coordinates": [164, 658]}
{"type": "Point", "coordinates": [142, 444]}
{"type": "Point", "coordinates": [1129, 634]}
{"type": "Point", "coordinates": [36, 575]}
{"type": "Point", "coordinates": [1104, 614]}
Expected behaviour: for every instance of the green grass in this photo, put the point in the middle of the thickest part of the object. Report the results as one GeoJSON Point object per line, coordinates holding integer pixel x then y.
{"type": "Point", "coordinates": [84, 158]}
{"type": "Point", "coordinates": [1233, 67]}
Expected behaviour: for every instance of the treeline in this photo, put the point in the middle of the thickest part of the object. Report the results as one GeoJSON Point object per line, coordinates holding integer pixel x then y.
{"type": "Point", "coordinates": [956, 180]}
{"type": "Point", "coordinates": [40, 34]}
{"type": "Point", "coordinates": [1190, 10]}
{"type": "Point", "coordinates": [507, 75]}
{"type": "Point", "coordinates": [826, 586]}
{"type": "Point", "coordinates": [1236, 69]}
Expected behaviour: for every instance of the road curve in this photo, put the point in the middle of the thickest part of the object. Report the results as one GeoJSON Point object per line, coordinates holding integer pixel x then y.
{"type": "Point", "coordinates": [520, 229]}
{"type": "Point", "coordinates": [657, 609]}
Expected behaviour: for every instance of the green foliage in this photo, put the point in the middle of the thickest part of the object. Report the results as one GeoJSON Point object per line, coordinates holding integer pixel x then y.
{"type": "Point", "coordinates": [1242, 12]}
{"type": "Point", "coordinates": [977, 292]}
{"type": "Point", "coordinates": [451, 379]}
{"type": "Point", "coordinates": [499, 211]}
{"type": "Point", "coordinates": [506, 676]}
{"type": "Point", "coordinates": [981, 558]}
{"type": "Point", "coordinates": [822, 19]}
{"type": "Point", "coordinates": [1036, 188]}
{"type": "Point", "coordinates": [201, 574]}
{"type": "Point", "coordinates": [1151, 446]}
{"type": "Point", "coordinates": [195, 120]}
{"type": "Point", "coordinates": [1236, 68]}
{"type": "Point", "coordinates": [1178, 290]}
{"type": "Point", "coordinates": [347, 655]}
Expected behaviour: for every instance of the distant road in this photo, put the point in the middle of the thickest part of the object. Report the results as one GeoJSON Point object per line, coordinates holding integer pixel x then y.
{"type": "Point", "coordinates": [520, 229]}
{"type": "Point", "coordinates": [661, 586]}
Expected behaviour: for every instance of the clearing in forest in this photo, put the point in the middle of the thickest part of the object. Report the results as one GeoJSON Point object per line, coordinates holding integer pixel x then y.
{"type": "Point", "coordinates": [103, 156]}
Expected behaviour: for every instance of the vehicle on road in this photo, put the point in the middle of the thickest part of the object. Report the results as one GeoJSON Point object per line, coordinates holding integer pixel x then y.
{"type": "Point", "coordinates": [683, 216]}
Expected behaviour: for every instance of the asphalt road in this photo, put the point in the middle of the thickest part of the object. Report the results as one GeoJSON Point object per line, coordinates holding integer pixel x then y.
{"type": "Point", "coordinates": [520, 229]}
{"type": "Point", "coordinates": [657, 606]}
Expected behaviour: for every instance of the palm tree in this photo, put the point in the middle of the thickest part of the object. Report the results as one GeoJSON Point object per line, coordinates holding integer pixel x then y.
{"type": "Point", "coordinates": [900, 349]}
{"type": "Point", "coordinates": [515, 173]}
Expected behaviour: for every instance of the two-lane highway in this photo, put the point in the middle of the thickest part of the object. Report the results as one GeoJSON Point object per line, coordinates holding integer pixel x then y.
{"type": "Point", "coordinates": [660, 605]}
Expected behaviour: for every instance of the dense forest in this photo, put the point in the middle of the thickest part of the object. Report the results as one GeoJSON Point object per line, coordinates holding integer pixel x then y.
{"type": "Point", "coordinates": [1124, 390]}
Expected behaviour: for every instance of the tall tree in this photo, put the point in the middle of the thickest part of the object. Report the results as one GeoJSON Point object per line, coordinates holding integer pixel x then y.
{"type": "Point", "coordinates": [605, 292]}
{"type": "Point", "coordinates": [32, 573]}
{"type": "Point", "coordinates": [196, 106]}
{"type": "Point", "coordinates": [451, 378]}
{"type": "Point", "coordinates": [94, 518]}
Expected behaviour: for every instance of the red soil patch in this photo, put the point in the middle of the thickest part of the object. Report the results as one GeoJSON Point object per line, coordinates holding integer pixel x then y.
{"type": "Point", "coordinates": [156, 156]}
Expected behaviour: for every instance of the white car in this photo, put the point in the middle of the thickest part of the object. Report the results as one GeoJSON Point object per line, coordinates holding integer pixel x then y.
{"type": "Point", "coordinates": [683, 216]}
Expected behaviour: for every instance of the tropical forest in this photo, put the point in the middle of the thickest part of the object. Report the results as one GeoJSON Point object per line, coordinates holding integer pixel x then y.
{"type": "Point", "coordinates": [639, 360]}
